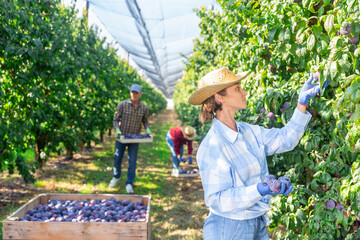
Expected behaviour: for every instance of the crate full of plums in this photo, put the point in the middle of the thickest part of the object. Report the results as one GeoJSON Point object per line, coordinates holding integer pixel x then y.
{"type": "Point", "coordinates": [136, 138]}
{"type": "Point", "coordinates": [81, 216]}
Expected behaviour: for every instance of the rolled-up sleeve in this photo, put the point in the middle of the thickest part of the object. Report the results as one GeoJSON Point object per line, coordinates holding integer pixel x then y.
{"type": "Point", "coordinates": [117, 115]}
{"type": "Point", "coordinates": [279, 140]}
{"type": "Point", "coordinates": [190, 148]}
{"type": "Point", "coordinates": [145, 119]}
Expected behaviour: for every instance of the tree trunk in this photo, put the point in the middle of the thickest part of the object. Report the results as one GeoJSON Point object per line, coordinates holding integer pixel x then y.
{"type": "Point", "coordinates": [81, 145]}
{"type": "Point", "coordinates": [41, 141]}
{"type": "Point", "coordinates": [69, 153]}
{"type": "Point", "coordinates": [101, 136]}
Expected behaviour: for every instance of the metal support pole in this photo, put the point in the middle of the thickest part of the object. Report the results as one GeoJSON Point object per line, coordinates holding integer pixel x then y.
{"type": "Point", "coordinates": [87, 11]}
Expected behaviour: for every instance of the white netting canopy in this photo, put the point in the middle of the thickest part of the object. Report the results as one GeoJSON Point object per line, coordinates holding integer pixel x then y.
{"type": "Point", "coordinates": [155, 33]}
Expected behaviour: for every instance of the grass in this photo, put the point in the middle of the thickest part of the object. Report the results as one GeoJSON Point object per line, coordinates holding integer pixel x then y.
{"type": "Point", "coordinates": [177, 207]}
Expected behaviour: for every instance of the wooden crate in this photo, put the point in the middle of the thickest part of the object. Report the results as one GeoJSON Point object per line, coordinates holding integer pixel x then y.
{"type": "Point", "coordinates": [13, 229]}
{"type": "Point", "coordinates": [183, 175]}
{"type": "Point", "coordinates": [122, 139]}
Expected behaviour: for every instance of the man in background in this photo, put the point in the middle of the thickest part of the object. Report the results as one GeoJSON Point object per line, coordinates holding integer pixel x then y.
{"type": "Point", "coordinates": [129, 116]}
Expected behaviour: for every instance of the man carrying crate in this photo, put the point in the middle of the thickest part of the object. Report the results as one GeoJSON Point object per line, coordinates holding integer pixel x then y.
{"type": "Point", "coordinates": [129, 116]}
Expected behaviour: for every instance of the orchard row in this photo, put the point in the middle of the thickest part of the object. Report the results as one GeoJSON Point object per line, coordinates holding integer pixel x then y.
{"type": "Point", "coordinates": [60, 84]}
{"type": "Point", "coordinates": [282, 42]}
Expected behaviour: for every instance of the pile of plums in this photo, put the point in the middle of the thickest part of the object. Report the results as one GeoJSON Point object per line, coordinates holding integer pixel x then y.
{"type": "Point", "coordinates": [106, 210]}
{"type": "Point", "coordinates": [136, 136]}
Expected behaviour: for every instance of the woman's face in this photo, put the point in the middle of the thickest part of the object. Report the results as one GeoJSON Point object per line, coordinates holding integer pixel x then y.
{"type": "Point", "coordinates": [235, 97]}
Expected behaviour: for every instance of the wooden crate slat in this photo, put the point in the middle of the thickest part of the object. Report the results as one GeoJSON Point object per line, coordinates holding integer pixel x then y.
{"type": "Point", "coordinates": [71, 231]}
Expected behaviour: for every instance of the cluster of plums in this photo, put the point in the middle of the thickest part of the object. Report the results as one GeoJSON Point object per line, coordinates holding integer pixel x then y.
{"type": "Point", "coordinates": [275, 184]}
{"type": "Point", "coordinates": [187, 171]}
{"type": "Point", "coordinates": [136, 136]}
{"type": "Point", "coordinates": [106, 210]}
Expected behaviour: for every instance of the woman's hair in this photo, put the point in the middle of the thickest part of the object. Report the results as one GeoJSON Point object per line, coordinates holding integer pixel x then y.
{"type": "Point", "coordinates": [209, 107]}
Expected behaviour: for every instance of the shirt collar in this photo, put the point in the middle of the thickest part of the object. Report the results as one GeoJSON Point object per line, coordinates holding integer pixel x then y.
{"type": "Point", "coordinates": [131, 102]}
{"type": "Point", "coordinates": [229, 134]}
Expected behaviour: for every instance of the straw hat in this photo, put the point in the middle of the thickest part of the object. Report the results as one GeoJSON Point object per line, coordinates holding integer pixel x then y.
{"type": "Point", "coordinates": [188, 132]}
{"type": "Point", "coordinates": [214, 82]}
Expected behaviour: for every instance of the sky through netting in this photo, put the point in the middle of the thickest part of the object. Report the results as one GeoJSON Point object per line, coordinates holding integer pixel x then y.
{"type": "Point", "coordinates": [156, 34]}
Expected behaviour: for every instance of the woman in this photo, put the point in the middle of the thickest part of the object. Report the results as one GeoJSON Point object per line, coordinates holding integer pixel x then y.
{"type": "Point", "coordinates": [177, 137]}
{"type": "Point", "coordinates": [232, 156]}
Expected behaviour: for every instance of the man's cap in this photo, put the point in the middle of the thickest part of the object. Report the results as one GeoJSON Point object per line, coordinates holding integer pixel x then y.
{"type": "Point", "coordinates": [136, 88]}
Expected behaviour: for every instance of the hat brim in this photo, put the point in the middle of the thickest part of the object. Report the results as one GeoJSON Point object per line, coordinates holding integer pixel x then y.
{"type": "Point", "coordinates": [190, 137]}
{"type": "Point", "coordinates": [200, 95]}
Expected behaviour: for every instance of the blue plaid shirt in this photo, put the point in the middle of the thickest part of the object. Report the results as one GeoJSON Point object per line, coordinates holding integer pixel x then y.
{"type": "Point", "coordinates": [232, 163]}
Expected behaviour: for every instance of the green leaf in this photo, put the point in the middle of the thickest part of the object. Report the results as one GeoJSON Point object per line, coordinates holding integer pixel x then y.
{"type": "Point", "coordinates": [351, 90]}
{"type": "Point", "coordinates": [311, 7]}
{"type": "Point", "coordinates": [308, 191]}
{"type": "Point", "coordinates": [357, 52]}
{"type": "Point", "coordinates": [301, 51]}
{"type": "Point", "coordinates": [294, 26]}
{"type": "Point", "coordinates": [287, 35]}
{"type": "Point", "coordinates": [329, 23]}
{"type": "Point", "coordinates": [305, 3]}
{"type": "Point", "coordinates": [334, 42]}
{"type": "Point", "coordinates": [350, 4]}
{"type": "Point", "coordinates": [311, 41]}
{"type": "Point", "coordinates": [281, 35]}
{"type": "Point", "coordinates": [272, 33]}
{"type": "Point", "coordinates": [317, 30]}
{"type": "Point", "coordinates": [344, 65]}
{"type": "Point", "coordinates": [37, 42]}
{"type": "Point", "coordinates": [286, 220]}
{"type": "Point", "coordinates": [277, 63]}
{"type": "Point", "coordinates": [284, 35]}
{"type": "Point", "coordinates": [9, 50]}
{"type": "Point", "coordinates": [346, 222]}
{"type": "Point", "coordinates": [301, 215]}
{"type": "Point", "coordinates": [322, 47]}
{"type": "Point", "coordinates": [340, 218]}
{"type": "Point", "coordinates": [326, 177]}
{"type": "Point", "coordinates": [326, 2]}
{"type": "Point", "coordinates": [355, 28]}
{"type": "Point", "coordinates": [356, 174]}
{"type": "Point", "coordinates": [356, 115]}
{"type": "Point", "coordinates": [321, 11]}
{"type": "Point", "coordinates": [334, 70]}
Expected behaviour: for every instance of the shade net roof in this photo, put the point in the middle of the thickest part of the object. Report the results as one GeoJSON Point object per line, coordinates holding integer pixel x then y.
{"type": "Point", "coordinates": [157, 34]}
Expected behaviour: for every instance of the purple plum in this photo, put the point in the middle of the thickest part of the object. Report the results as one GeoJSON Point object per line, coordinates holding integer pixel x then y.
{"type": "Point", "coordinates": [271, 116]}
{"type": "Point", "coordinates": [330, 204]}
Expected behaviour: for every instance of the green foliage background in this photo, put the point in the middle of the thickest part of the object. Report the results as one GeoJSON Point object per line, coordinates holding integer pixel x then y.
{"type": "Point", "coordinates": [281, 42]}
{"type": "Point", "coordinates": [60, 83]}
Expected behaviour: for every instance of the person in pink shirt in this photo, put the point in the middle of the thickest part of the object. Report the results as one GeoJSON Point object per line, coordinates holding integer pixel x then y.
{"type": "Point", "coordinates": [176, 138]}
